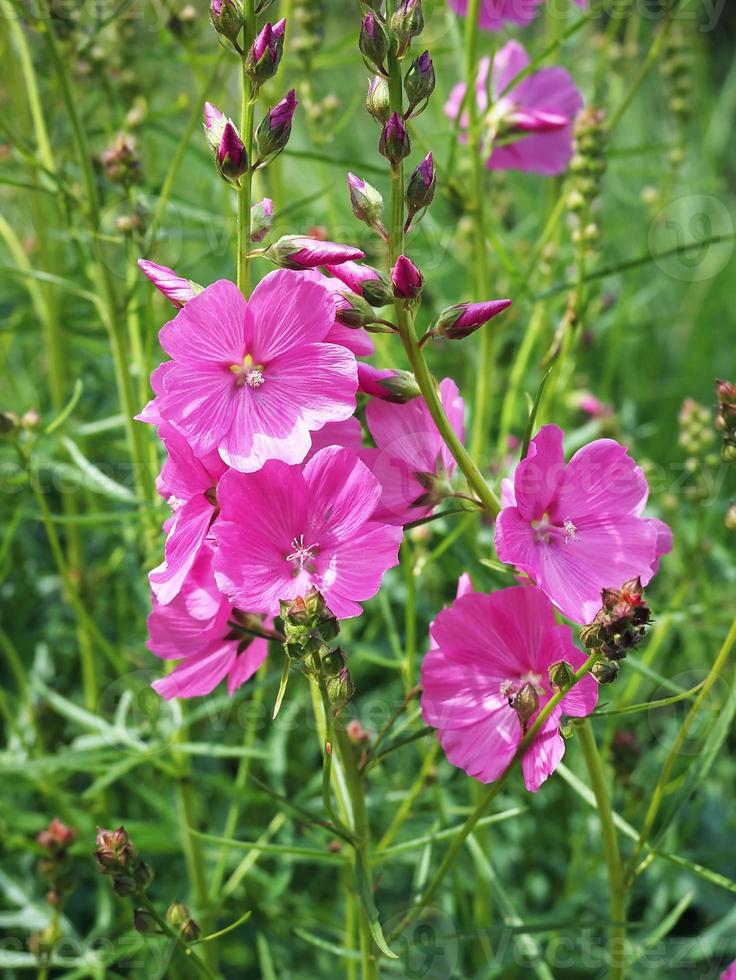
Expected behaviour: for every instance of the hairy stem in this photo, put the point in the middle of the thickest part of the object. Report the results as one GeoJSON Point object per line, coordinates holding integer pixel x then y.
{"type": "Point", "coordinates": [245, 192]}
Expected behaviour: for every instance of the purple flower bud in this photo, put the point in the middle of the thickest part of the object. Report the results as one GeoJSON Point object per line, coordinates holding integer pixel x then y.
{"type": "Point", "coordinates": [353, 311]}
{"type": "Point", "coordinates": [378, 100]}
{"type": "Point", "coordinates": [302, 252]}
{"type": "Point", "coordinates": [373, 41]}
{"type": "Point", "coordinates": [394, 143]}
{"type": "Point", "coordinates": [274, 130]}
{"type": "Point", "coordinates": [363, 280]}
{"type": "Point", "coordinates": [227, 18]}
{"type": "Point", "coordinates": [461, 320]}
{"type": "Point", "coordinates": [222, 135]}
{"type": "Point", "coordinates": [406, 279]}
{"type": "Point", "coordinates": [419, 82]}
{"type": "Point", "coordinates": [173, 287]}
{"type": "Point", "coordinates": [420, 188]}
{"type": "Point", "coordinates": [387, 384]}
{"type": "Point", "coordinates": [261, 219]}
{"type": "Point", "coordinates": [265, 53]}
{"type": "Point", "coordinates": [366, 202]}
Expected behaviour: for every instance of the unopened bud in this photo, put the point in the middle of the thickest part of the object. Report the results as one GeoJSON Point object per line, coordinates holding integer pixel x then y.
{"type": "Point", "coordinates": [406, 279]}
{"type": "Point", "coordinates": [340, 690]}
{"type": "Point", "coordinates": [262, 60]}
{"type": "Point", "coordinates": [227, 18]}
{"type": "Point", "coordinates": [179, 916]}
{"type": "Point", "coordinates": [143, 921]}
{"type": "Point", "coordinates": [730, 520]}
{"type": "Point", "coordinates": [420, 189]}
{"type": "Point", "coordinates": [261, 219]}
{"type": "Point", "coordinates": [354, 311]}
{"type": "Point", "coordinates": [365, 281]}
{"type": "Point", "coordinates": [366, 202]}
{"type": "Point", "coordinates": [388, 384]}
{"type": "Point", "coordinates": [394, 143]}
{"type": "Point", "coordinates": [373, 41]}
{"type": "Point", "coordinates": [605, 671]}
{"type": "Point", "coordinates": [231, 158]}
{"type": "Point", "coordinates": [378, 100]}
{"type": "Point", "coordinates": [459, 321]}
{"type": "Point", "coordinates": [419, 82]}
{"type": "Point", "coordinates": [274, 129]}
{"type": "Point", "coordinates": [173, 287]}
{"type": "Point", "coordinates": [407, 22]}
{"type": "Point", "coordinates": [301, 252]}
{"type": "Point", "coordinates": [525, 703]}
{"type": "Point", "coordinates": [561, 675]}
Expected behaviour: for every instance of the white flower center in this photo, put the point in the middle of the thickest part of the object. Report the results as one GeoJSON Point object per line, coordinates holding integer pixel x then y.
{"type": "Point", "coordinates": [303, 555]}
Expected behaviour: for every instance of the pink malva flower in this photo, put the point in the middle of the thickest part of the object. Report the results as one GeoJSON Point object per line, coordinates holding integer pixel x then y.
{"type": "Point", "coordinates": [188, 485]}
{"type": "Point", "coordinates": [411, 461]}
{"type": "Point", "coordinates": [254, 379]}
{"type": "Point", "coordinates": [286, 529]}
{"type": "Point", "coordinates": [211, 638]}
{"type": "Point", "coordinates": [577, 528]}
{"type": "Point", "coordinates": [346, 435]}
{"type": "Point", "coordinates": [487, 676]}
{"type": "Point", "coordinates": [730, 972]}
{"type": "Point", "coordinates": [536, 114]}
{"type": "Point", "coordinates": [495, 14]}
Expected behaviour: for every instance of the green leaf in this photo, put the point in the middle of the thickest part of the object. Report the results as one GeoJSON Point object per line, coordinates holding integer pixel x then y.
{"type": "Point", "coordinates": [366, 897]}
{"type": "Point", "coordinates": [97, 481]}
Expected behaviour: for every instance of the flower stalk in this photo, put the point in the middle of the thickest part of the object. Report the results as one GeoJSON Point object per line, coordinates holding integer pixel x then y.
{"type": "Point", "coordinates": [249, 95]}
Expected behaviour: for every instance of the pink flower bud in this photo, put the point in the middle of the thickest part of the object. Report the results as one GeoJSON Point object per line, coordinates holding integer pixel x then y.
{"type": "Point", "coordinates": [363, 280]}
{"type": "Point", "coordinates": [265, 53]}
{"type": "Point", "coordinates": [420, 188]}
{"type": "Point", "coordinates": [394, 143]}
{"type": "Point", "coordinates": [378, 100]}
{"type": "Point", "coordinates": [227, 18]}
{"type": "Point", "coordinates": [419, 81]}
{"type": "Point", "coordinates": [406, 279]}
{"type": "Point", "coordinates": [387, 384]}
{"type": "Point", "coordinates": [274, 129]}
{"type": "Point", "coordinates": [301, 252]}
{"type": "Point", "coordinates": [224, 138]}
{"type": "Point", "coordinates": [261, 219]}
{"type": "Point", "coordinates": [173, 287]}
{"type": "Point", "coordinates": [373, 41]}
{"type": "Point", "coordinates": [459, 321]}
{"type": "Point", "coordinates": [366, 202]}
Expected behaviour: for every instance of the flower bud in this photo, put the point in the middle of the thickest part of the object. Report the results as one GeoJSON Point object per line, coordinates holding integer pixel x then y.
{"type": "Point", "coordinates": [730, 519]}
{"type": "Point", "coordinates": [373, 41]}
{"type": "Point", "coordinates": [308, 624]}
{"type": "Point", "coordinates": [222, 135]}
{"type": "Point", "coordinates": [394, 143]}
{"type": "Point", "coordinates": [227, 18]}
{"type": "Point", "coordinates": [525, 703]}
{"type": "Point", "coordinates": [56, 837]}
{"type": "Point", "coordinates": [388, 384]}
{"type": "Point", "coordinates": [561, 675]}
{"type": "Point", "coordinates": [378, 100]}
{"type": "Point", "coordinates": [262, 60]}
{"type": "Point", "coordinates": [726, 418]}
{"type": "Point", "coordinates": [420, 189]}
{"type": "Point", "coordinates": [143, 921]}
{"type": "Point", "coordinates": [340, 690]}
{"type": "Point", "coordinates": [419, 82]}
{"type": "Point", "coordinates": [407, 22]}
{"type": "Point", "coordinates": [354, 311]}
{"type": "Point", "coordinates": [115, 851]}
{"type": "Point", "coordinates": [619, 625]}
{"type": "Point", "coordinates": [179, 916]}
{"type": "Point", "coordinates": [173, 287]}
{"type": "Point", "coordinates": [605, 671]}
{"type": "Point", "coordinates": [366, 202]}
{"type": "Point", "coordinates": [406, 279]}
{"type": "Point", "coordinates": [261, 219]}
{"type": "Point", "coordinates": [121, 162]}
{"type": "Point", "coordinates": [301, 252]}
{"type": "Point", "coordinates": [459, 321]}
{"type": "Point", "coordinates": [365, 281]}
{"type": "Point", "coordinates": [274, 129]}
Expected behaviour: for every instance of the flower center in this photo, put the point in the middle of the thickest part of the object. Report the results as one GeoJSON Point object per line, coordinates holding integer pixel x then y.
{"type": "Point", "coordinates": [248, 373]}
{"type": "Point", "coordinates": [302, 557]}
{"type": "Point", "coordinates": [545, 531]}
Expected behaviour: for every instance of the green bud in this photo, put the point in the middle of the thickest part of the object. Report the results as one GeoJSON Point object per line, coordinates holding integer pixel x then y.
{"type": "Point", "coordinates": [561, 675]}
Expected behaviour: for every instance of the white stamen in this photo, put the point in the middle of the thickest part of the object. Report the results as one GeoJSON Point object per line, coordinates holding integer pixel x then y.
{"type": "Point", "coordinates": [175, 503]}
{"type": "Point", "coordinates": [301, 553]}
{"type": "Point", "coordinates": [570, 530]}
{"type": "Point", "coordinates": [507, 689]}
{"type": "Point", "coordinates": [254, 378]}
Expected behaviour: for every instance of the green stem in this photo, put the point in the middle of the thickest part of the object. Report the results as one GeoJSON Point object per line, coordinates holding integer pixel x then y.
{"type": "Point", "coordinates": [676, 749]}
{"type": "Point", "coordinates": [145, 902]}
{"type": "Point", "coordinates": [248, 100]}
{"type": "Point", "coordinates": [425, 899]}
{"type": "Point", "coordinates": [610, 847]}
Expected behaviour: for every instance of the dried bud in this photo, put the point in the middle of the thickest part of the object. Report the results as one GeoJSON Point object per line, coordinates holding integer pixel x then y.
{"type": "Point", "coordinates": [561, 675]}
{"type": "Point", "coordinates": [143, 921]}
{"type": "Point", "coordinates": [121, 162]}
{"type": "Point", "coordinates": [227, 18]}
{"type": "Point", "coordinates": [378, 100]}
{"type": "Point", "coordinates": [261, 219]}
{"type": "Point", "coordinates": [179, 916]}
{"type": "Point", "coordinates": [274, 129]}
{"type": "Point", "coordinates": [373, 41]}
{"type": "Point", "coordinates": [301, 252]}
{"type": "Point", "coordinates": [366, 202]}
{"type": "Point", "coordinates": [406, 279]}
{"type": "Point", "coordinates": [420, 189]}
{"type": "Point", "coordinates": [57, 836]}
{"type": "Point", "coordinates": [620, 624]}
{"type": "Point", "coordinates": [525, 703]}
{"type": "Point", "coordinates": [387, 384]}
{"type": "Point", "coordinates": [308, 624]}
{"type": "Point", "coordinates": [394, 143]}
{"type": "Point", "coordinates": [365, 281]}
{"type": "Point", "coordinates": [419, 83]}
{"type": "Point", "coordinates": [173, 287]}
{"type": "Point", "coordinates": [407, 22]}
{"type": "Point", "coordinates": [115, 851]}
{"type": "Point", "coordinates": [262, 60]}
{"type": "Point", "coordinates": [457, 322]}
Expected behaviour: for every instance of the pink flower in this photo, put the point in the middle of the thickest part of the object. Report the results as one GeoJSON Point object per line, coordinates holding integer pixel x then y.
{"type": "Point", "coordinates": [211, 638]}
{"type": "Point", "coordinates": [286, 529]}
{"type": "Point", "coordinates": [411, 461]}
{"type": "Point", "coordinates": [254, 379]}
{"type": "Point", "coordinates": [577, 528]}
{"type": "Point", "coordinates": [494, 14]}
{"type": "Point", "coordinates": [487, 676]}
{"type": "Point", "coordinates": [347, 435]}
{"type": "Point", "coordinates": [593, 406]}
{"type": "Point", "coordinates": [539, 111]}
{"type": "Point", "coordinates": [730, 972]}
{"type": "Point", "coordinates": [173, 287]}
{"type": "Point", "coordinates": [188, 484]}
{"type": "Point", "coordinates": [406, 279]}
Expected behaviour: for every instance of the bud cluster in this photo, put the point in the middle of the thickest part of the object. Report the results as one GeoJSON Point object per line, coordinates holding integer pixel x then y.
{"type": "Point", "coordinates": [587, 167]}
{"type": "Point", "coordinates": [726, 418]}
{"type": "Point", "coordinates": [121, 162]}
{"type": "Point", "coordinates": [117, 857]}
{"type": "Point", "coordinates": [56, 839]}
{"type": "Point", "coordinates": [617, 629]}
